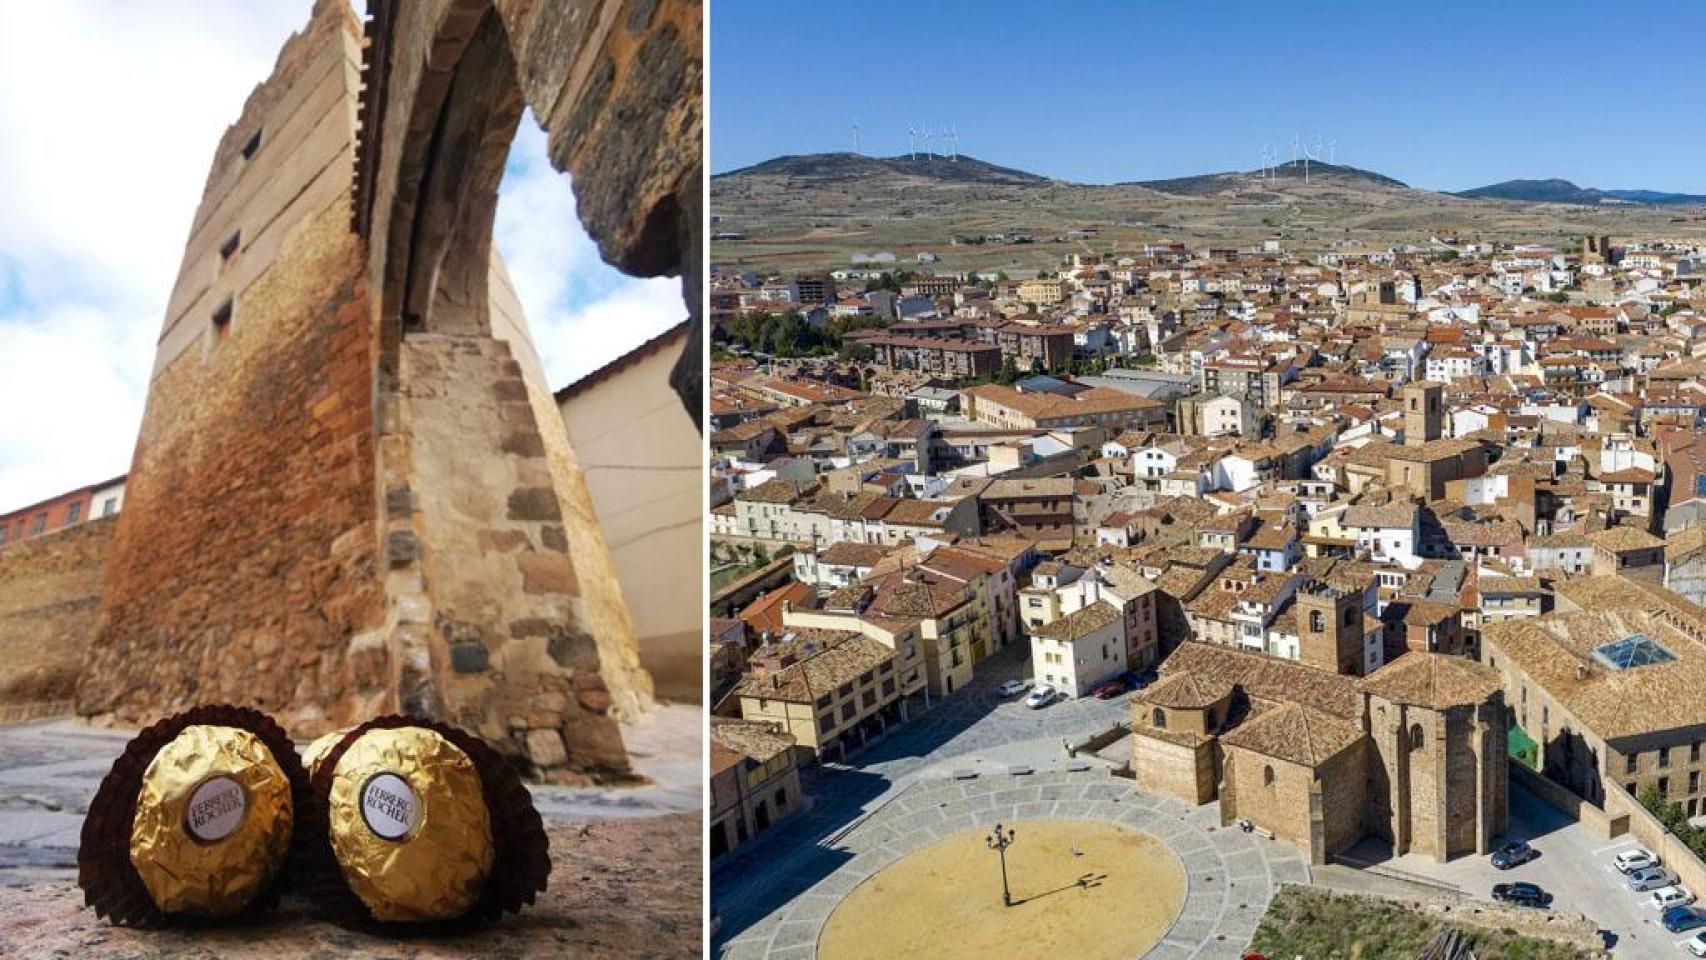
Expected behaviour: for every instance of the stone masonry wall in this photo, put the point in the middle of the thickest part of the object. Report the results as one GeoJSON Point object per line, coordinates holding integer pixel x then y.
{"type": "Point", "coordinates": [50, 594]}
{"type": "Point", "coordinates": [243, 562]}
{"type": "Point", "coordinates": [494, 558]}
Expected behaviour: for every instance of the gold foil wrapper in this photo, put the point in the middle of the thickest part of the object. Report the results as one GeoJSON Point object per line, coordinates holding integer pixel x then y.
{"type": "Point", "coordinates": [317, 750]}
{"type": "Point", "coordinates": [409, 825]}
{"type": "Point", "coordinates": [213, 821]}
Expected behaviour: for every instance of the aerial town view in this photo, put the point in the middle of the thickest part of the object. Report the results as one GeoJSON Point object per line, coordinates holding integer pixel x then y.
{"type": "Point", "coordinates": [1113, 559]}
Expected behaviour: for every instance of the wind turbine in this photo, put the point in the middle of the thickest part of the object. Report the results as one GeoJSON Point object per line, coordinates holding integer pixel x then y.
{"type": "Point", "coordinates": [928, 150]}
{"type": "Point", "coordinates": [1264, 161]}
{"type": "Point", "coordinates": [911, 142]}
{"type": "Point", "coordinates": [855, 139]}
{"type": "Point", "coordinates": [954, 142]}
{"type": "Point", "coordinates": [1332, 145]}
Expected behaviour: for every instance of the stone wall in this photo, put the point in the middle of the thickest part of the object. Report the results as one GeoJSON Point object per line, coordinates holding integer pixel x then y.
{"type": "Point", "coordinates": [50, 594]}
{"type": "Point", "coordinates": [243, 562]}
{"type": "Point", "coordinates": [1180, 770]}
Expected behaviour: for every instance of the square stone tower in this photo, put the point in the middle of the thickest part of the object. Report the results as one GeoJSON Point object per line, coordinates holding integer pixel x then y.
{"type": "Point", "coordinates": [1424, 412]}
{"type": "Point", "coordinates": [1329, 628]}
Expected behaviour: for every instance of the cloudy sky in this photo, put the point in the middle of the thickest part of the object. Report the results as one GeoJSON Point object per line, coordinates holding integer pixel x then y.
{"type": "Point", "coordinates": [109, 115]}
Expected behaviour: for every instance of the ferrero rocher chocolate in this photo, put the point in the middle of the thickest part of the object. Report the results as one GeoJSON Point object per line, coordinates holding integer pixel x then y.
{"type": "Point", "coordinates": [317, 750]}
{"type": "Point", "coordinates": [194, 821]}
{"type": "Point", "coordinates": [422, 823]}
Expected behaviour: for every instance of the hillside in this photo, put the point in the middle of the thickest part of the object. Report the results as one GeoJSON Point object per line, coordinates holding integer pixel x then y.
{"type": "Point", "coordinates": [853, 166]}
{"type": "Point", "coordinates": [816, 211]}
{"type": "Point", "coordinates": [1563, 191]}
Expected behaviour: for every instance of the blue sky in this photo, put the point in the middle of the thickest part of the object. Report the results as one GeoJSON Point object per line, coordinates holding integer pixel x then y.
{"type": "Point", "coordinates": [109, 114]}
{"type": "Point", "coordinates": [1449, 94]}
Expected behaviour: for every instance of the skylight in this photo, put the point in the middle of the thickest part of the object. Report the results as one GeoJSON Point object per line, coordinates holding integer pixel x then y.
{"type": "Point", "coordinates": [1638, 650]}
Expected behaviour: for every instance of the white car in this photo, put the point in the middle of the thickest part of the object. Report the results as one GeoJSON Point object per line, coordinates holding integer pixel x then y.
{"type": "Point", "coordinates": [1041, 697]}
{"type": "Point", "coordinates": [1012, 688]}
{"type": "Point", "coordinates": [1696, 944]}
{"type": "Point", "coordinates": [1637, 859]}
{"type": "Point", "coordinates": [1672, 896]}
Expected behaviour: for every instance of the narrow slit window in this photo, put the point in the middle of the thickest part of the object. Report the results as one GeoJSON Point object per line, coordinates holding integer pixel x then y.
{"type": "Point", "coordinates": [222, 320]}
{"type": "Point", "coordinates": [253, 146]}
{"type": "Point", "coordinates": [228, 249]}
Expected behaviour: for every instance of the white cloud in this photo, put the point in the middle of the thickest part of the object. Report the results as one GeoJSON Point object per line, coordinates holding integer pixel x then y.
{"type": "Point", "coordinates": [109, 115]}
{"type": "Point", "coordinates": [582, 312]}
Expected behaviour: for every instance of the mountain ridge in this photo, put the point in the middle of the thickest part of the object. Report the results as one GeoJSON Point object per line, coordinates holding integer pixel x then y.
{"type": "Point", "coordinates": [1559, 190]}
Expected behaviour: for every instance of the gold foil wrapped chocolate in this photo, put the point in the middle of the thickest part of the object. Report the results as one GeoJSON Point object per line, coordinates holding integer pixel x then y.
{"type": "Point", "coordinates": [195, 821]}
{"type": "Point", "coordinates": [317, 750]}
{"type": "Point", "coordinates": [213, 821]}
{"type": "Point", "coordinates": [409, 825]}
{"type": "Point", "coordinates": [418, 822]}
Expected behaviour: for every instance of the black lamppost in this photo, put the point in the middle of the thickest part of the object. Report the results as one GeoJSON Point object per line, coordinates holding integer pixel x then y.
{"type": "Point", "coordinates": [999, 842]}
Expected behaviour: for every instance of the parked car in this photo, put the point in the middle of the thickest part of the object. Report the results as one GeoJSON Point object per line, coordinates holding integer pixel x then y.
{"type": "Point", "coordinates": [1109, 690]}
{"type": "Point", "coordinates": [1637, 859]}
{"type": "Point", "coordinates": [1138, 679]}
{"type": "Point", "coordinates": [1682, 919]}
{"type": "Point", "coordinates": [1041, 697]}
{"type": "Point", "coordinates": [1650, 878]}
{"type": "Point", "coordinates": [1013, 688]}
{"type": "Point", "coordinates": [1521, 894]}
{"type": "Point", "coordinates": [1513, 854]}
{"type": "Point", "coordinates": [1671, 896]}
{"type": "Point", "coordinates": [1696, 944]}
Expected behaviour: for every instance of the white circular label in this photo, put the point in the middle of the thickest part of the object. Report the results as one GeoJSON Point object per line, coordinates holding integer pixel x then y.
{"type": "Point", "coordinates": [215, 809]}
{"type": "Point", "coordinates": [388, 806]}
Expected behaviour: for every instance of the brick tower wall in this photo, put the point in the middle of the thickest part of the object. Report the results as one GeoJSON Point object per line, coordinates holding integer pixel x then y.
{"type": "Point", "coordinates": [243, 563]}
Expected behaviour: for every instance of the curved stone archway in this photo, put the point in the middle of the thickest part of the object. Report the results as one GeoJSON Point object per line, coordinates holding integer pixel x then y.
{"type": "Point", "coordinates": [352, 492]}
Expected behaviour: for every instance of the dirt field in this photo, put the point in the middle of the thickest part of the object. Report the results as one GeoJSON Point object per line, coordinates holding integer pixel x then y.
{"type": "Point", "coordinates": [945, 901]}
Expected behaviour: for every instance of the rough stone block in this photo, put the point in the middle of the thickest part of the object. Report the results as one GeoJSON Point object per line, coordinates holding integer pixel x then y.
{"type": "Point", "coordinates": [468, 657]}
{"type": "Point", "coordinates": [572, 649]}
{"type": "Point", "coordinates": [545, 748]}
{"type": "Point", "coordinates": [595, 743]}
{"type": "Point", "coordinates": [547, 573]}
{"type": "Point", "coordinates": [535, 504]}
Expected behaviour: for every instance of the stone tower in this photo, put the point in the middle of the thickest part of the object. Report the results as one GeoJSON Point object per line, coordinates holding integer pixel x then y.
{"type": "Point", "coordinates": [1329, 628]}
{"type": "Point", "coordinates": [352, 492]}
{"type": "Point", "coordinates": [1424, 412]}
{"type": "Point", "coordinates": [1438, 725]}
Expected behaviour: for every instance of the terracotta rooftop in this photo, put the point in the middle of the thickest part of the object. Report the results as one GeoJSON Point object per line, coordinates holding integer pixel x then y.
{"type": "Point", "coordinates": [1296, 734]}
{"type": "Point", "coordinates": [1433, 680]}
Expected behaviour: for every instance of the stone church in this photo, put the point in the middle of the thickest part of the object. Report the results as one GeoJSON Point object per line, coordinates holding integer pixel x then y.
{"type": "Point", "coordinates": [352, 491]}
{"type": "Point", "coordinates": [1414, 753]}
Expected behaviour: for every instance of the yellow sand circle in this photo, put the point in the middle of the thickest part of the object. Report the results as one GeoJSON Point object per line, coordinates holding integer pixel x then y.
{"type": "Point", "coordinates": [1081, 889]}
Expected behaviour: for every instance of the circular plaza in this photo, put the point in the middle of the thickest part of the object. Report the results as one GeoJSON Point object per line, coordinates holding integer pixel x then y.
{"type": "Point", "coordinates": [1098, 868]}
{"type": "Point", "coordinates": [1079, 888]}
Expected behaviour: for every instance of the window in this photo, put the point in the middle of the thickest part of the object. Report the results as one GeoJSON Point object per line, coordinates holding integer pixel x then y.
{"type": "Point", "coordinates": [1664, 757]}
{"type": "Point", "coordinates": [781, 798]}
{"type": "Point", "coordinates": [228, 249]}
{"type": "Point", "coordinates": [823, 702]}
{"type": "Point", "coordinates": [1630, 761]}
{"type": "Point", "coordinates": [109, 506]}
{"type": "Point", "coordinates": [848, 710]}
{"type": "Point", "coordinates": [1694, 782]}
{"type": "Point", "coordinates": [1417, 738]}
{"type": "Point", "coordinates": [1664, 786]}
{"type": "Point", "coordinates": [1694, 752]}
{"type": "Point", "coordinates": [888, 687]}
{"type": "Point", "coordinates": [73, 513]}
{"type": "Point", "coordinates": [3, 532]}
{"type": "Point", "coordinates": [222, 320]}
{"type": "Point", "coordinates": [827, 723]}
{"type": "Point", "coordinates": [869, 698]}
{"type": "Point", "coordinates": [40, 524]}
{"type": "Point", "coordinates": [1158, 719]}
{"type": "Point", "coordinates": [253, 146]}
{"type": "Point", "coordinates": [1267, 775]}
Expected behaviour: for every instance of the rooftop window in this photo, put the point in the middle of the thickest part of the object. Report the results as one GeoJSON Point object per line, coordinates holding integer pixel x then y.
{"type": "Point", "coordinates": [1638, 650]}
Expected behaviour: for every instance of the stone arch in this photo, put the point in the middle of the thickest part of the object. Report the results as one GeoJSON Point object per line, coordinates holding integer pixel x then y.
{"type": "Point", "coordinates": [503, 597]}
{"type": "Point", "coordinates": [1418, 739]}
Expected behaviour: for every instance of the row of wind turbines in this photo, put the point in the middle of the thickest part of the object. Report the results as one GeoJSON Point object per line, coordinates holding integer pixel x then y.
{"type": "Point", "coordinates": [1299, 150]}
{"type": "Point", "coordinates": [950, 141]}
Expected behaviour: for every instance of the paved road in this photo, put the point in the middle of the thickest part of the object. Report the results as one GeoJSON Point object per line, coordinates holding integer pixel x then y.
{"type": "Point", "coordinates": [974, 727]}
{"type": "Point", "coordinates": [1574, 865]}
{"type": "Point", "coordinates": [49, 771]}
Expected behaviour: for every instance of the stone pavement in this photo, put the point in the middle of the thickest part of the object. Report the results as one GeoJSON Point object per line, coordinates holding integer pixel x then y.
{"type": "Point", "coordinates": [625, 876]}
{"type": "Point", "coordinates": [802, 863]}
{"type": "Point", "coordinates": [1231, 875]}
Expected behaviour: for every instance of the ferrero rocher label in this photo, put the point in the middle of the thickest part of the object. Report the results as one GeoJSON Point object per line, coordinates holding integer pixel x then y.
{"type": "Point", "coordinates": [409, 825]}
{"type": "Point", "coordinates": [213, 821]}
